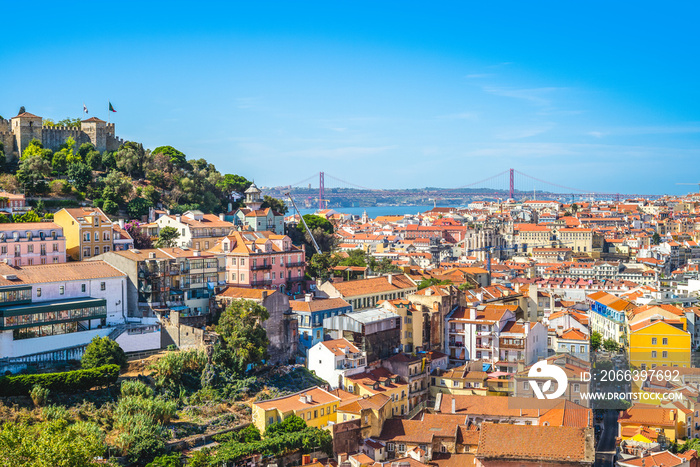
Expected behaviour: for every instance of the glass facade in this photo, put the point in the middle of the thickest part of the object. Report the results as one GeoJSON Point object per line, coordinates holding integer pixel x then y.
{"type": "Point", "coordinates": [16, 295]}
{"type": "Point", "coordinates": [49, 313]}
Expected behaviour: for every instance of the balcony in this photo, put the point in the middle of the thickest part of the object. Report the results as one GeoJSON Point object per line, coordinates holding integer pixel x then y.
{"type": "Point", "coordinates": [295, 279]}
{"type": "Point", "coordinates": [258, 267]}
{"type": "Point", "coordinates": [297, 264]}
{"type": "Point", "coordinates": [259, 283]}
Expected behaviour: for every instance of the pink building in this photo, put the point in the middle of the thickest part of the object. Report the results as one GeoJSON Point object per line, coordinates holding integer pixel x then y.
{"type": "Point", "coordinates": [24, 244]}
{"type": "Point", "coordinates": [12, 202]}
{"type": "Point", "coordinates": [263, 260]}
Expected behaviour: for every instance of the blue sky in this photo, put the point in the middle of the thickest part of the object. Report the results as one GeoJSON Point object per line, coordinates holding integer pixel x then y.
{"type": "Point", "coordinates": [598, 95]}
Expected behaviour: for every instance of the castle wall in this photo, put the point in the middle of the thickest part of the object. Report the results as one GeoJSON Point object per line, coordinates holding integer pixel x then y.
{"type": "Point", "coordinates": [52, 137]}
{"type": "Point", "coordinates": [8, 142]}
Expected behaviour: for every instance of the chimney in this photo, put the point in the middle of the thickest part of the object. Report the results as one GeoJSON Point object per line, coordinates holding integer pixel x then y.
{"type": "Point", "coordinates": [178, 217]}
{"type": "Point", "coordinates": [472, 313]}
{"type": "Point", "coordinates": [309, 399]}
{"type": "Point", "coordinates": [264, 294]}
{"type": "Point", "coordinates": [221, 216]}
{"type": "Point", "coordinates": [121, 223]}
{"type": "Point", "coordinates": [152, 255]}
{"type": "Point", "coordinates": [306, 459]}
{"type": "Point", "coordinates": [230, 207]}
{"type": "Point", "coordinates": [389, 278]}
{"type": "Point", "coordinates": [342, 457]}
{"type": "Point", "coordinates": [308, 297]}
{"type": "Point", "coordinates": [454, 405]}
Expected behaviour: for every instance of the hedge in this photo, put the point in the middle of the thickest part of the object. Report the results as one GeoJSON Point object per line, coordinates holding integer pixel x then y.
{"type": "Point", "coordinates": [68, 381]}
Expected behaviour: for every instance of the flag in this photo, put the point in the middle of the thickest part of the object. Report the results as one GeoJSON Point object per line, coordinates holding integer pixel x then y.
{"type": "Point", "coordinates": [111, 109]}
{"type": "Point", "coordinates": [85, 108]}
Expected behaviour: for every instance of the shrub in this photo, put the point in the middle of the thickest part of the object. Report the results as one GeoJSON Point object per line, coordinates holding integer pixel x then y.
{"type": "Point", "coordinates": [171, 460]}
{"type": "Point", "coordinates": [55, 412]}
{"type": "Point", "coordinates": [103, 351]}
{"type": "Point", "coordinates": [110, 207]}
{"type": "Point", "coordinates": [39, 395]}
{"type": "Point", "coordinates": [174, 368]}
{"type": "Point", "coordinates": [142, 439]}
{"type": "Point", "coordinates": [135, 388]}
{"type": "Point", "coordinates": [68, 381]}
{"type": "Point", "coordinates": [156, 410]}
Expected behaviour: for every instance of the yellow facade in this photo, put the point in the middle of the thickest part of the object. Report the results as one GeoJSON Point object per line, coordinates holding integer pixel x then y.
{"type": "Point", "coordinates": [659, 344]}
{"type": "Point", "coordinates": [397, 391]}
{"type": "Point", "coordinates": [319, 412]}
{"type": "Point", "coordinates": [88, 232]}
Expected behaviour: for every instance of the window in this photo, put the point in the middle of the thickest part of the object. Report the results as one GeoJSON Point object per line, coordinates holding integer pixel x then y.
{"type": "Point", "coordinates": [55, 247]}
{"type": "Point", "coordinates": [577, 387]}
{"type": "Point", "coordinates": [206, 245]}
{"type": "Point", "coordinates": [62, 289]}
{"type": "Point", "coordinates": [664, 341]}
{"type": "Point", "coordinates": [390, 447]}
{"type": "Point", "coordinates": [97, 250]}
{"type": "Point", "coordinates": [308, 416]}
{"type": "Point", "coordinates": [105, 237]}
{"type": "Point", "coordinates": [233, 261]}
{"type": "Point", "coordinates": [233, 276]}
{"type": "Point", "coordinates": [653, 341]}
{"type": "Point", "coordinates": [86, 237]}
{"type": "Point", "coordinates": [525, 385]}
{"type": "Point", "coordinates": [242, 277]}
{"type": "Point", "coordinates": [105, 249]}
{"type": "Point", "coordinates": [242, 261]}
{"type": "Point", "coordinates": [443, 449]}
{"type": "Point", "coordinates": [3, 250]}
{"type": "Point", "coordinates": [82, 287]}
{"type": "Point", "coordinates": [103, 285]}
{"type": "Point", "coordinates": [653, 353]}
{"type": "Point", "coordinates": [664, 354]}
{"type": "Point", "coordinates": [273, 260]}
{"type": "Point", "coordinates": [38, 291]}
{"type": "Point", "coordinates": [322, 411]}
{"type": "Point", "coordinates": [30, 248]}
{"type": "Point", "coordinates": [402, 447]}
{"type": "Point", "coordinates": [315, 413]}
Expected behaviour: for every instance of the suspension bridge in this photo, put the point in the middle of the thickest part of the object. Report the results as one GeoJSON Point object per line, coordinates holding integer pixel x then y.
{"type": "Point", "coordinates": [321, 188]}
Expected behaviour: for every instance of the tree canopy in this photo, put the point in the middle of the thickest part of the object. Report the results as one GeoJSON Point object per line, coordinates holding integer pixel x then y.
{"type": "Point", "coordinates": [276, 204]}
{"type": "Point", "coordinates": [103, 351]}
{"type": "Point", "coordinates": [243, 339]}
{"type": "Point", "coordinates": [167, 237]}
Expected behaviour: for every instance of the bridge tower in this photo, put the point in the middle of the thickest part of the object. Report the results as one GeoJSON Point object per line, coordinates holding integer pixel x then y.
{"type": "Point", "coordinates": [321, 192]}
{"type": "Point", "coordinates": [511, 194]}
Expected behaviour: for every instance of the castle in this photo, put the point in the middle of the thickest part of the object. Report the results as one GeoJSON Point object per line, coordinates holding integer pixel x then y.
{"type": "Point", "coordinates": [17, 132]}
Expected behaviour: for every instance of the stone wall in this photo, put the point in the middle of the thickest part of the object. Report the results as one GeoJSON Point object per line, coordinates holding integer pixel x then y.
{"type": "Point", "coordinates": [173, 332]}
{"type": "Point", "coordinates": [347, 437]}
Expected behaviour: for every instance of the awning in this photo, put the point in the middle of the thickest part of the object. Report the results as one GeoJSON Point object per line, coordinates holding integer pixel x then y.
{"type": "Point", "coordinates": [175, 292]}
{"type": "Point", "coordinates": [179, 308]}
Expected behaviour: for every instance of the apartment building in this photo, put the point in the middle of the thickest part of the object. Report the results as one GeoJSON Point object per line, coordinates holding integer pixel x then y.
{"type": "Point", "coordinates": [414, 370]}
{"type": "Point", "coordinates": [88, 232]}
{"type": "Point", "coordinates": [164, 279]}
{"type": "Point", "coordinates": [335, 360]}
{"type": "Point", "coordinates": [197, 230]}
{"type": "Point", "coordinates": [367, 293]}
{"type": "Point", "coordinates": [52, 307]}
{"type": "Point", "coordinates": [26, 244]}
{"type": "Point", "coordinates": [263, 259]}
{"type": "Point", "coordinates": [375, 331]}
{"type": "Point", "coordinates": [316, 406]}
{"type": "Point", "coordinates": [310, 314]}
{"type": "Point", "coordinates": [380, 381]}
{"type": "Point", "coordinates": [608, 316]}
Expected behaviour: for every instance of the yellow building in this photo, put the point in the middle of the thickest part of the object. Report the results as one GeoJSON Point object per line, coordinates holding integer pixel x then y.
{"type": "Point", "coordinates": [88, 231]}
{"type": "Point", "coordinates": [380, 381]}
{"type": "Point", "coordinates": [469, 379]}
{"type": "Point", "coordinates": [316, 406]}
{"type": "Point", "coordinates": [642, 418]}
{"type": "Point", "coordinates": [659, 342]}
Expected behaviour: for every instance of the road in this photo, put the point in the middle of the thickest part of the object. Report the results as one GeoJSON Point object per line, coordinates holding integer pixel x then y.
{"type": "Point", "coordinates": [605, 451]}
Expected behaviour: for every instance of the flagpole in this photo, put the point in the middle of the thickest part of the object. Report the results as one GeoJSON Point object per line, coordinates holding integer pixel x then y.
{"type": "Point", "coordinates": [109, 114]}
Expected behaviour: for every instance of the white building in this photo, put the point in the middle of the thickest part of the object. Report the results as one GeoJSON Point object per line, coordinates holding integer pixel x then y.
{"type": "Point", "coordinates": [52, 311]}
{"type": "Point", "coordinates": [334, 360]}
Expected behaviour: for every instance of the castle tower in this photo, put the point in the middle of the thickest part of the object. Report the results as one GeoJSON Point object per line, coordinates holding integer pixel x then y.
{"type": "Point", "coordinates": [96, 132]}
{"type": "Point", "coordinates": [252, 197]}
{"type": "Point", "coordinates": [25, 127]}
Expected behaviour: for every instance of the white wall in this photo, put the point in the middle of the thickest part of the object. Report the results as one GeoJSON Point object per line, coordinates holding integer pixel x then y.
{"type": "Point", "coordinates": [139, 342]}
{"type": "Point", "coordinates": [11, 348]}
{"type": "Point", "coordinates": [114, 294]}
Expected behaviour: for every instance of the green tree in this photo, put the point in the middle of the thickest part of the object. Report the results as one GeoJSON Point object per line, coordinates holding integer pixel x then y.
{"type": "Point", "coordinates": [656, 238]}
{"type": "Point", "coordinates": [432, 281]}
{"type": "Point", "coordinates": [118, 187]}
{"type": "Point", "coordinates": [316, 222]}
{"type": "Point", "coordinates": [233, 183]}
{"type": "Point", "coordinates": [574, 208]}
{"type": "Point", "coordinates": [274, 203]}
{"type": "Point", "coordinates": [320, 264]}
{"type": "Point", "coordinates": [110, 207]}
{"type": "Point", "coordinates": [29, 216]}
{"type": "Point", "coordinates": [355, 257]}
{"type": "Point", "coordinates": [175, 157]}
{"type": "Point", "coordinates": [167, 237]}
{"type": "Point", "coordinates": [80, 175]}
{"type": "Point", "coordinates": [138, 207]}
{"type": "Point", "coordinates": [291, 424]}
{"type": "Point", "coordinates": [109, 162]}
{"type": "Point", "coordinates": [52, 443]}
{"type": "Point", "coordinates": [610, 345]}
{"type": "Point", "coordinates": [249, 434]}
{"type": "Point", "coordinates": [170, 460]}
{"type": "Point", "coordinates": [243, 340]}
{"type": "Point", "coordinates": [596, 340]}
{"type": "Point", "coordinates": [103, 351]}
{"type": "Point", "coordinates": [69, 122]}
{"type": "Point", "coordinates": [21, 110]}
{"type": "Point", "coordinates": [32, 171]}
{"type": "Point", "coordinates": [131, 158]}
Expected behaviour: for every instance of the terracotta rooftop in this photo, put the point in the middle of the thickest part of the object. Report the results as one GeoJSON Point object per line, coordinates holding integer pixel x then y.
{"type": "Point", "coordinates": [58, 272]}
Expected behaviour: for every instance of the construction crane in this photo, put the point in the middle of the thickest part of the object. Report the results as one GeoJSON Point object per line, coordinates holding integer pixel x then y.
{"type": "Point", "coordinates": [313, 240]}
{"type": "Point", "coordinates": [698, 184]}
